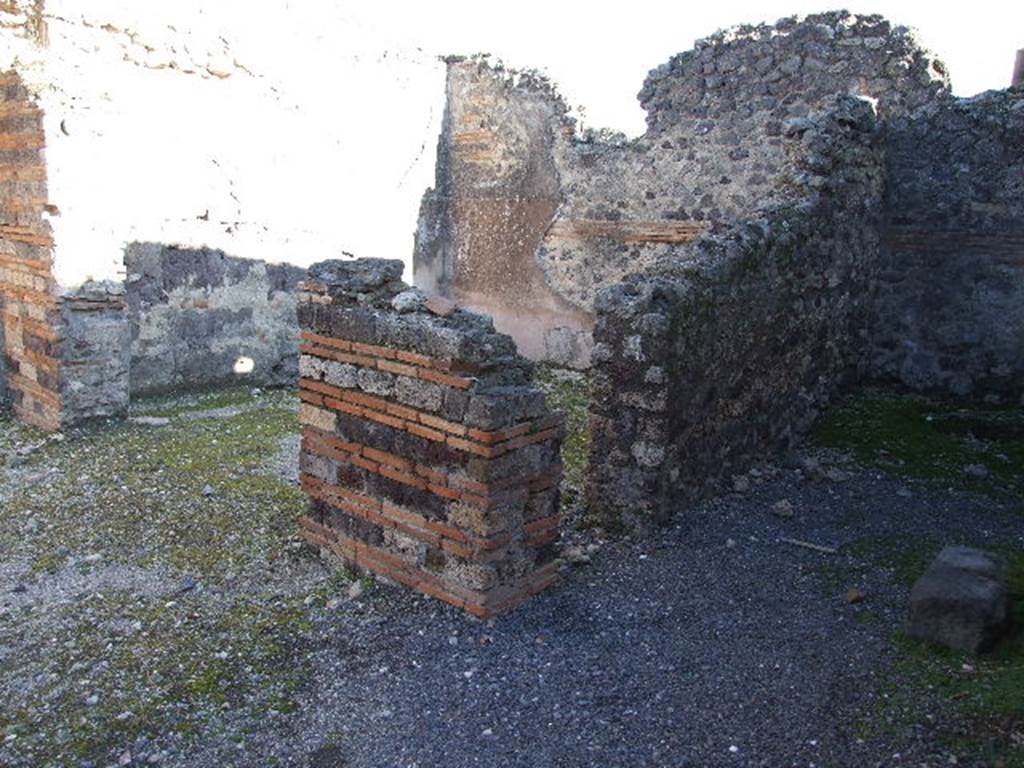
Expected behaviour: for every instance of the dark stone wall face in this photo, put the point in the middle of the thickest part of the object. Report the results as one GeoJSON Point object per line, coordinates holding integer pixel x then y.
{"type": "Point", "coordinates": [950, 312]}
{"type": "Point", "coordinates": [790, 66]}
{"type": "Point", "coordinates": [720, 120]}
{"type": "Point", "coordinates": [194, 312]}
{"type": "Point", "coordinates": [706, 364]}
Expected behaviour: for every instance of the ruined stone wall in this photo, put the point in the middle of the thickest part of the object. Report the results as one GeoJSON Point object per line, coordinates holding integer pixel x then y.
{"type": "Point", "coordinates": [714, 153]}
{"type": "Point", "coordinates": [172, 123]}
{"type": "Point", "coordinates": [194, 312]}
{"type": "Point", "coordinates": [951, 299]}
{"type": "Point", "coordinates": [708, 363]}
{"type": "Point", "coordinates": [497, 192]}
{"type": "Point", "coordinates": [429, 456]}
{"type": "Point", "coordinates": [790, 66]}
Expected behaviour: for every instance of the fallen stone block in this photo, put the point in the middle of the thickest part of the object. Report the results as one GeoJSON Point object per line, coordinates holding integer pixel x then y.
{"type": "Point", "coordinates": [961, 601]}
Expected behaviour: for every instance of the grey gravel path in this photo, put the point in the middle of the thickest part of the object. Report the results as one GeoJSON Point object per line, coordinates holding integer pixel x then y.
{"type": "Point", "coordinates": [713, 644]}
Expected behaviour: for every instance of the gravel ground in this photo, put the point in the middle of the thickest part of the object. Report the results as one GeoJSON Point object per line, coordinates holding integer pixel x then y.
{"type": "Point", "coordinates": [712, 643]}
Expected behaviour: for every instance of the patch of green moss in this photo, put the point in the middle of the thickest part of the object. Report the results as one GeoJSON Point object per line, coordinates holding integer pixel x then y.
{"type": "Point", "coordinates": [975, 446]}
{"type": "Point", "coordinates": [237, 443]}
{"type": "Point", "coordinates": [135, 494]}
{"type": "Point", "coordinates": [123, 487]}
{"type": "Point", "coordinates": [188, 663]}
{"type": "Point", "coordinates": [904, 558]}
{"type": "Point", "coordinates": [175, 402]}
{"type": "Point", "coordinates": [49, 562]}
{"type": "Point", "coordinates": [569, 391]}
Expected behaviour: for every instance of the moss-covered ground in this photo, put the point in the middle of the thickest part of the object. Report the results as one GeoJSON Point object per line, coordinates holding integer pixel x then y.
{"type": "Point", "coordinates": [973, 704]}
{"type": "Point", "coordinates": [975, 446]}
{"type": "Point", "coordinates": [159, 590]}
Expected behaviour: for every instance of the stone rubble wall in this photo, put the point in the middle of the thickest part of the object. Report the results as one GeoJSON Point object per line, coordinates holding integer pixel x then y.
{"type": "Point", "coordinates": [710, 362]}
{"type": "Point", "coordinates": [529, 220]}
{"type": "Point", "coordinates": [950, 312]}
{"type": "Point", "coordinates": [94, 352]}
{"type": "Point", "coordinates": [429, 456]}
{"type": "Point", "coordinates": [193, 312]}
{"type": "Point", "coordinates": [716, 150]}
{"type": "Point", "coordinates": [792, 65]}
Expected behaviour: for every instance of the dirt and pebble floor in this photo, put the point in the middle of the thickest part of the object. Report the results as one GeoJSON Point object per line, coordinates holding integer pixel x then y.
{"type": "Point", "coordinates": [156, 608]}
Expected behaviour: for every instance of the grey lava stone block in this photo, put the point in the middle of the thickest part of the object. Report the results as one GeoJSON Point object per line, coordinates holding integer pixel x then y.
{"type": "Point", "coordinates": [961, 601]}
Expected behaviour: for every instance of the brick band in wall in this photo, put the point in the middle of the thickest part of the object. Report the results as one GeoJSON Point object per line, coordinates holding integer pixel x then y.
{"type": "Point", "coordinates": [428, 455]}
{"type": "Point", "coordinates": [31, 313]}
{"type": "Point", "coordinates": [64, 353]}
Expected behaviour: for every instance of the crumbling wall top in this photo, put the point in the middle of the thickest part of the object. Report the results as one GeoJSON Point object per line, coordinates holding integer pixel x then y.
{"type": "Point", "coordinates": [382, 311]}
{"type": "Point", "coordinates": [792, 64]}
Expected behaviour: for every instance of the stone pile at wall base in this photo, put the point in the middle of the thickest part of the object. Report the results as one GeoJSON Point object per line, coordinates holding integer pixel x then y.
{"type": "Point", "coordinates": [429, 457]}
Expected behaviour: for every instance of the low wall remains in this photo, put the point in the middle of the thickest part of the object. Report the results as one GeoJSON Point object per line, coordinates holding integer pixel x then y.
{"type": "Point", "coordinates": [183, 317]}
{"type": "Point", "coordinates": [195, 311]}
{"type": "Point", "coordinates": [93, 351]}
{"type": "Point", "coordinates": [429, 456]}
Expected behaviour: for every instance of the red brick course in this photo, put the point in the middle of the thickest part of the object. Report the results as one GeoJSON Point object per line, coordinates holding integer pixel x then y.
{"type": "Point", "coordinates": [438, 505]}
{"type": "Point", "coordinates": [489, 445]}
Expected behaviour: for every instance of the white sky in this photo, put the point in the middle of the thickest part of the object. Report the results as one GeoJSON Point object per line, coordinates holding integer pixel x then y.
{"type": "Point", "coordinates": [598, 55]}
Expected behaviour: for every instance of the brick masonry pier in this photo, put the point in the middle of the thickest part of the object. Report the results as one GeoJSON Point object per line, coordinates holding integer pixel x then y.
{"type": "Point", "coordinates": [428, 455]}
